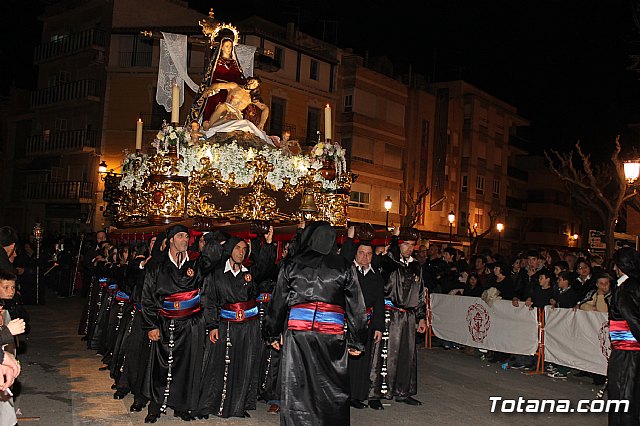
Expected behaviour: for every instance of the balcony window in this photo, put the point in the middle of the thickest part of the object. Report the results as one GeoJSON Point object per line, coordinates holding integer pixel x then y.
{"type": "Point", "coordinates": [313, 70]}
{"type": "Point", "coordinates": [359, 200]}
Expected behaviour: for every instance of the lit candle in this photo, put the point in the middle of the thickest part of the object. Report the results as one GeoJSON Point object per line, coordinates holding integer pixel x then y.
{"type": "Point", "coordinates": [327, 122]}
{"type": "Point", "coordinates": [139, 134]}
{"type": "Point", "coordinates": [175, 104]}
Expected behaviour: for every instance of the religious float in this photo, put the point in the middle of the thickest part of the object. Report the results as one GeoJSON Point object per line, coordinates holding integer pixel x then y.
{"type": "Point", "coordinates": [223, 170]}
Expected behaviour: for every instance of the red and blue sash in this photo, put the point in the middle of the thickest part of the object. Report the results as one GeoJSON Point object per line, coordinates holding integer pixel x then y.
{"type": "Point", "coordinates": [239, 312]}
{"type": "Point", "coordinates": [264, 298]}
{"type": "Point", "coordinates": [317, 316]}
{"type": "Point", "coordinates": [181, 305]}
{"type": "Point", "coordinates": [621, 336]}
{"type": "Point", "coordinates": [389, 306]}
{"type": "Point", "coordinates": [121, 296]}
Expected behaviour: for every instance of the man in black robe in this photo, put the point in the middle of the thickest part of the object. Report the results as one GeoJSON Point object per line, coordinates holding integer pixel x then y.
{"type": "Point", "coordinates": [172, 318]}
{"type": "Point", "coordinates": [624, 327]}
{"type": "Point", "coordinates": [405, 303]}
{"type": "Point", "coordinates": [317, 290]}
{"type": "Point", "coordinates": [230, 385]}
{"type": "Point", "coordinates": [372, 285]}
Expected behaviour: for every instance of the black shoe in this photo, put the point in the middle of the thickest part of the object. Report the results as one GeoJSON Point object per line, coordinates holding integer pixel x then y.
{"type": "Point", "coordinates": [409, 401]}
{"type": "Point", "coordinates": [246, 414]}
{"type": "Point", "coordinates": [205, 417]}
{"type": "Point", "coordinates": [375, 404]}
{"type": "Point", "coordinates": [136, 407]}
{"type": "Point", "coordinates": [357, 404]}
{"type": "Point", "coordinates": [151, 418]}
{"type": "Point", "coordinates": [184, 415]}
{"type": "Point", "coordinates": [114, 387]}
{"type": "Point", "coordinates": [119, 395]}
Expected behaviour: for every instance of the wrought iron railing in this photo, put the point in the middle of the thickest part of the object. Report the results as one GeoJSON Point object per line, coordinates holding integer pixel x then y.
{"type": "Point", "coordinates": [69, 191]}
{"type": "Point", "coordinates": [69, 44]}
{"type": "Point", "coordinates": [80, 89]}
{"type": "Point", "coordinates": [67, 141]}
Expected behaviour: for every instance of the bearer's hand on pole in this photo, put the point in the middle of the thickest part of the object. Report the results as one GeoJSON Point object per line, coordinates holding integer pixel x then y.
{"type": "Point", "coordinates": [354, 352]}
{"type": "Point", "coordinates": [154, 335]}
{"type": "Point", "coordinates": [269, 237]}
{"type": "Point", "coordinates": [214, 335]}
{"type": "Point", "coordinates": [422, 326]}
{"type": "Point", "coordinates": [377, 336]}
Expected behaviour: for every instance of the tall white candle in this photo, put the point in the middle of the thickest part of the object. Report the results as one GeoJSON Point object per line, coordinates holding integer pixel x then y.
{"type": "Point", "coordinates": [327, 122]}
{"type": "Point", "coordinates": [139, 134]}
{"type": "Point", "coordinates": [175, 104]}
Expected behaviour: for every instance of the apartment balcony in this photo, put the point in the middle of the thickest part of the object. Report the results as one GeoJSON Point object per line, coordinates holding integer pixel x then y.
{"type": "Point", "coordinates": [73, 43]}
{"type": "Point", "coordinates": [75, 91]}
{"type": "Point", "coordinates": [67, 142]}
{"type": "Point", "coordinates": [60, 192]}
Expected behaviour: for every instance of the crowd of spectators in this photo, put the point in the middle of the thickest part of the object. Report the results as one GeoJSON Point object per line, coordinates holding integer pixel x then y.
{"type": "Point", "coordinates": [536, 277]}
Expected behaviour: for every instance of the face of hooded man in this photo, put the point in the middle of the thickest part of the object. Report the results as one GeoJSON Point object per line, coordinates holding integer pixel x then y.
{"type": "Point", "coordinates": [181, 241]}
{"type": "Point", "coordinates": [239, 252]}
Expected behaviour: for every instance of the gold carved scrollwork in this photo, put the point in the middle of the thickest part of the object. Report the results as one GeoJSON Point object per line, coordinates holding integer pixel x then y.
{"type": "Point", "coordinates": [167, 203]}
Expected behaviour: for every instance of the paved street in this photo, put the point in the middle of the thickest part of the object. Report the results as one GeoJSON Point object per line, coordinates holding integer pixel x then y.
{"type": "Point", "coordinates": [61, 385]}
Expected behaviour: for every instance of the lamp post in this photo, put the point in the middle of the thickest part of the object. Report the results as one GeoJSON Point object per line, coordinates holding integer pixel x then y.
{"type": "Point", "coordinates": [631, 170]}
{"type": "Point", "coordinates": [102, 167]}
{"type": "Point", "coordinates": [37, 234]}
{"type": "Point", "coordinates": [499, 227]}
{"type": "Point", "coordinates": [387, 205]}
{"type": "Point", "coordinates": [452, 218]}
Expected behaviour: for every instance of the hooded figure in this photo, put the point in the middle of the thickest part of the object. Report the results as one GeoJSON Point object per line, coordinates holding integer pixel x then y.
{"type": "Point", "coordinates": [319, 294]}
{"type": "Point", "coordinates": [172, 318]}
{"type": "Point", "coordinates": [623, 373]}
{"type": "Point", "coordinates": [371, 284]}
{"type": "Point", "coordinates": [230, 383]}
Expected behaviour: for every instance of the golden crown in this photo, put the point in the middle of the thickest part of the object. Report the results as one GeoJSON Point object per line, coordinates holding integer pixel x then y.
{"type": "Point", "coordinates": [212, 29]}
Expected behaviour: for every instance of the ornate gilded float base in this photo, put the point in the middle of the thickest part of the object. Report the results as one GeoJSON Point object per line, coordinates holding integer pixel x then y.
{"type": "Point", "coordinates": [167, 198]}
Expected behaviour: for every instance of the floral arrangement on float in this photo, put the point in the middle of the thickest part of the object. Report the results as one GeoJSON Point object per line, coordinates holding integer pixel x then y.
{"type": "Point", "coordinates": [329, 158]}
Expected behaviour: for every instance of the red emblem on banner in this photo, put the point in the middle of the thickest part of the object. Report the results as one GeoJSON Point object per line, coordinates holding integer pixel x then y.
{"type": "Point", "coordinates": [190, 272]}
{"type": "Point", "coordinates": [479, 322]}
{"type": "Point", "coordinates": [240, 315]}
{"type": "Point", "coordinates": [247, 277]}
{"type": "Point", "coordinates": [176, 305]}
{"type": "Point", "coordinates": [603, 337]}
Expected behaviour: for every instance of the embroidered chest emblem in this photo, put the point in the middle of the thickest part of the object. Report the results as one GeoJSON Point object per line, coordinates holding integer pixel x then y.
{"type": "Point", "coordinates": [190, 272]}
{"type": "Point", "coordinates": [247, 277]}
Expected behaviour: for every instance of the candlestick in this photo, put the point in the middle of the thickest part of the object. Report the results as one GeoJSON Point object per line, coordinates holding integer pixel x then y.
{"type": "Point", "coordinates": [139, 134]}
{"type": "Point", "coordinates": [175, 104]}
{"type": "Point", "coordinates": [327, 122]}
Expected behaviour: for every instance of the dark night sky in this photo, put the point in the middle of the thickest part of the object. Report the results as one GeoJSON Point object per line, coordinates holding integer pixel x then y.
{"type": "Point", "coordinates": [560, 62]}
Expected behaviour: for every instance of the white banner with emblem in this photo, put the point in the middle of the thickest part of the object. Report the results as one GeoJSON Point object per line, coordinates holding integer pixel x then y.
{"type": "Point", "coordinates": [577, 339]}
{"type": "Point", "coordinates": [471, 322]}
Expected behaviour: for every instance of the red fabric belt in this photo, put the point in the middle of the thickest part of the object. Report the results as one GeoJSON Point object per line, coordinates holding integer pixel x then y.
{"type": "Point", "coordinates": [240, 311]}
{"type": "Point", "coordinates": [186, 298]}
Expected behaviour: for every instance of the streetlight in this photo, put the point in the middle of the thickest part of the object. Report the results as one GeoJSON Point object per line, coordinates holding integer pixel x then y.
{"type": "Point", "coordinates": [387, 205]}
{"type": "Point", "coordinates": [452, 218]}
{"type": "Point", "coordinates": [499, 227]}
{"type": "Point", "coordinates": [631, 170]}
{"type": "Point", "coordinates": [102, 167]}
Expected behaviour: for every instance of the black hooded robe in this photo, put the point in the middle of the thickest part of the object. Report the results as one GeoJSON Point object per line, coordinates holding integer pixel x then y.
{"type": "Point", "coordinates": [230, 384]}
{"type": "Point", "coordinates": [624, 362]}
{"type": "Point", "coordinates": [175, 364]}
{"type": "Point", "coordinates": [372, 287]}
{"type": "Point", "coordinates": [315, 380]}
{"type": "Point", "coordinates": [405, 290]}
